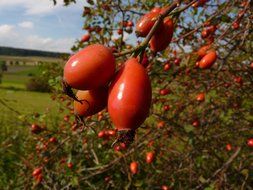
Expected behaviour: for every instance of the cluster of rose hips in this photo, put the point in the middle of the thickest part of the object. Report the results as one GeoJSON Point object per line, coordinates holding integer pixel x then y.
{"type": "Point", "coordinates": [163, 34]}
{"type": "Point", "coordinates": [127, 91]}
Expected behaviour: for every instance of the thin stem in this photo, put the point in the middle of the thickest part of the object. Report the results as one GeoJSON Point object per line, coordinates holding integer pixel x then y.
{"type": "Point", "coordinates": [144, 44]}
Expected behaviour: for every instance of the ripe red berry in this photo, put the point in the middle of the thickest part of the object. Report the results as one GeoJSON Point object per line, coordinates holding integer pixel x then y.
{"type": "Point", "coordinates": [117, 148]}
{"type": "Point", "coordinates": [165, 187]}
{"type": "Point", "coordinates": [101, 134]}
{"type": "Point", "coordinates": [90, 68]}
{"type": "Point", "coordinates": [111, 132]}
{"type": "Point", "coordinates": [166, 67]}
{"type": "Point", "coordinates": [120, 31]}
{"type": "Point", "coordinates": [200, 97]}
{"type": "Point", "coordinates": [85, 38]}
{"type": "Point", "coordinates": [228, 147]}
{"type": "Point", "coordinates": [129, 23]}
{"type": "Point", "coordinates": [36, 129]}
{"type": "Point", "coordinates": [160, 124]}
{"type": "Point", "coordinates": [204, 33]}
{"type": "Point", "coordinates": [211, 29]}
{"type": "Point", "coordinates": [250, 142]}
{"type": "Point", "coordinates": [53, 140]}
{"type": "Point", "coordinates": [203, 50]}
{"type": "Point", "coordinates": [70, 165]}
{"type": "Point", "coordinates": [39, 178]}
{"type": "Point", "coordinates": [166, 107]}
{"type": "Point", "coordinates": [238, 80]}
{"type": "Point", "coordinates": [37, 171]}
{"type": "Point", "coordinates": [235, 25]}
{"type": "Point", "coordinates": [251, 65]}
{"type": "Point", "coordinates": [195, 123]}
{"type": "Point", "coordinates": [145, 23]}
{"type": "Point", "coordinates": [66, 118]}
{"type": "Point", "coordinates": [134, 167]}
{"type": "Point", "coordinates": [164, 92]}
{"type": "Point", "coordinates": [107, 179]}
{"type": "Point", "coordinates": [150, 156]}
{"type": "Point", "coordinates": [162, 37]}
{"type": "Point", "coordinates": [208, 60]}
{"type": "Point", "coordinates": [93, 101]}
{"type": "Point", "coordinates": [177, 61]}
{"type": "Point", "coordinates": [123, 146]}
{"type": "Point", "coordinates": [130, 97]}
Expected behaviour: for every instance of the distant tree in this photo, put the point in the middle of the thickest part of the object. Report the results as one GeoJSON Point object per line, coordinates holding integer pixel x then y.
{"type": "Point", "coordinates": [46, 79]}
{"type": "Point", "coordinates": [3, 66]}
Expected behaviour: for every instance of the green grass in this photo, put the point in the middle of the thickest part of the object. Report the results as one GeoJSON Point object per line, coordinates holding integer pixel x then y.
{"type": "Point", "coordinates": [17, 107]}
{"type": "Point", "coordinates": [27, 102]}
{"type": "Point", "coordinates": [13, 93]}
{"type": "Point", "coordinates": [25, 70]}
{"type": "Point", "coordinates": [11, 85]}
{"type": "Point", "coordinates": [30, 60]}
{"type": "Point", "coordinates": [13, 78]}
{"type": "Point", "coordinates": [17, 76]}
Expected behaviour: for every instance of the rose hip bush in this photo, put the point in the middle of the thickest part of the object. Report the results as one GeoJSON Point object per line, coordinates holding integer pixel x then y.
{"type": "Point", "coordinates": [160, 97]}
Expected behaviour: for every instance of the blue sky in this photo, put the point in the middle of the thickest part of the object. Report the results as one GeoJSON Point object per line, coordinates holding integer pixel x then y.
{"type": "Point", "coordinates": [37, 24]}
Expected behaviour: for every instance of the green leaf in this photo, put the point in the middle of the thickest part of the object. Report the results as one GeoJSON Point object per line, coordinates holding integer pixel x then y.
{"type": "Point", "coordinates": [225, 18]}
{"type": "Point", "coordinates": [188, 128]}
{"type": "Point", "coordinates": [202, 179]}
{"type": "Point", "coordinates": [138, 183]}
{"type": "Point", "coordinates": [74, 181]}
{"type": "Point", "coordinates": [245, 172]}
{"type": "Point", "coordinates": [209, 188]}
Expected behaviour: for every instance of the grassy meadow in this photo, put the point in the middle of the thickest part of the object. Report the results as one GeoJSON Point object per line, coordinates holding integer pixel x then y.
{"type": "Point", "coordinates": [16, 102]}
{"type": "Point", "coordinates": [17, 106]}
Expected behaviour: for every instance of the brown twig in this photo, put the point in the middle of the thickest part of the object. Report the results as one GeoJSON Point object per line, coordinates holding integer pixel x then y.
{"type": "Point", "coordinates": [223, 167]}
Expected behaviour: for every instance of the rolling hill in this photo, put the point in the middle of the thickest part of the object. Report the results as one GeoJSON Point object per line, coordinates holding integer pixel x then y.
{"type": "Point", "coordinates": [10, 51]}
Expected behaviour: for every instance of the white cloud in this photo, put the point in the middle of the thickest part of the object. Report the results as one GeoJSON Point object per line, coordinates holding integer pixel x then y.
{"type": "Point", "coordinates": [26, 24]}
{"type": "Point", "coordinates": [5, 29]}
{"type": "Point", "coordinates": [10, 36]}
{"type": "Point", "coordinates": [32, 7]}
{"type": "Point", "coordinates": [49, 44]}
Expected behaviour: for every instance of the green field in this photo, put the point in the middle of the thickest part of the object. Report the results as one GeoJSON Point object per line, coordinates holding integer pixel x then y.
{"type": "Point", "coordinates": [16, 101]}
{"type": "Point", "coordinates": [17, 76]}
{"type": "Point", "coordinates": [30, 60]}
{"type": "Point", "coordinates": [17, 112]}
{"type": "Point", "coordinates": [27, 102]}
